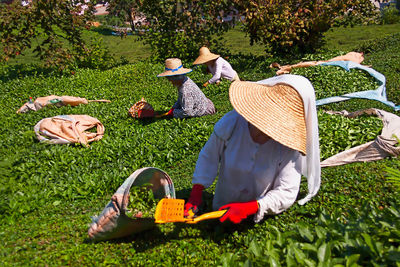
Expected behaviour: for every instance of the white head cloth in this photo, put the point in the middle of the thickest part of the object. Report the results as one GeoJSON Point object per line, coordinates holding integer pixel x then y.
{"type": "Point", "coordinates": [310, 165]}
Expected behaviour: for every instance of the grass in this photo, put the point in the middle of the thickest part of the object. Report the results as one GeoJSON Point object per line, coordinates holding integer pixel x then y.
{"type": "Point", "coordinates": [49, 192]}
{"type": "Point", "coordinates": [346, 39]}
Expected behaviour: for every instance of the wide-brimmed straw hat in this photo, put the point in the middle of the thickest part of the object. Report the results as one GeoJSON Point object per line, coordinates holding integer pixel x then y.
{"type": "Point", "coordinates": [277, 111]}
{"type": "Point", "coordinates": [173, 66]}
{"type": "Point", "coordinates": [205, 56]}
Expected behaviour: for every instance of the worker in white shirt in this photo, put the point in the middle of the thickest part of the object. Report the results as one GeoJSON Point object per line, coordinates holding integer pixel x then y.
{"type": "Point", "coordinates": [217, 66]}
{"type": "Point", "coordinates": [260, 150]}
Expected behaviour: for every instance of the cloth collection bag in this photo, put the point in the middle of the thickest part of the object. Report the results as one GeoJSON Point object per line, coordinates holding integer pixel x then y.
{"type": "Point", "coordinates": [351, 56]}
{"type": "Point", "coordinates": [113, 222]}
{"type": "Point", "coordinates": [66, 129]}
{"type": "Point", "coordinates": [58, 101]}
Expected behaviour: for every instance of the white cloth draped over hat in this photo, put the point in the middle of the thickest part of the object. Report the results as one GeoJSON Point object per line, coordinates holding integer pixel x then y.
{"type": "Point", "coordinates": [311, 161]}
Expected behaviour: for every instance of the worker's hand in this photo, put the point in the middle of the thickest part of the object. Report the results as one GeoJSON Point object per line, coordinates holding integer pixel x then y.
{"type": "Point", "coordinates": [217, 82]}
{"type": "Point", "coordinates": [194, 201]}
{"type": "Point", "coordinates": [205, 84]}
{"type": "Point", "coordinates": [239, 211]}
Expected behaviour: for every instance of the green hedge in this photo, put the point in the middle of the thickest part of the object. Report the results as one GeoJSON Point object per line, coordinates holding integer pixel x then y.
{"type": "Point", "coordinates": [49, 192]}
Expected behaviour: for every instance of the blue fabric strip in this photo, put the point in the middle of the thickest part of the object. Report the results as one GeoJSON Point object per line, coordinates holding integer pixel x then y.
{"type": "Point", "coordinates": [173, 70]}
{"type": "Point", "coordinates": [378, 94]}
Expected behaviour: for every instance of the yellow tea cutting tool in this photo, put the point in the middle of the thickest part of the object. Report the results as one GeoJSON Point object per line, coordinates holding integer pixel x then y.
{"type": "Point", "coordinates": [172, 210]}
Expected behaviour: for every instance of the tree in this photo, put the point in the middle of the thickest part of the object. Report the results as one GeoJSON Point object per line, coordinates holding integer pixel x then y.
{"type": "Point", "coordinates": [52, 27]}
{"type": "Point", "coordinates": [180, 28]}
{"type": "Point", "coordinates": [290, 26]}
{"type": "Point", "coordinates": [125, 11]}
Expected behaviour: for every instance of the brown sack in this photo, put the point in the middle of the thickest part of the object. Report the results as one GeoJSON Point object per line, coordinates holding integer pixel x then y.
{"type": "Point", "coordinates": [141, 109]}
{"type": "Point", "coordinates": [65, 129]}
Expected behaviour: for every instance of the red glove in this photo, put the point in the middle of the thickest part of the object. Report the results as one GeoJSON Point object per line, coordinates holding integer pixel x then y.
{"type": "Point", "coordinates": [170, 113]}
{"type": "Point", "coordinates": [145, 113]}
{"type": "Point", "coordinates": [194, 200]}
{"type": "Point", "coordinates": [239, 211]}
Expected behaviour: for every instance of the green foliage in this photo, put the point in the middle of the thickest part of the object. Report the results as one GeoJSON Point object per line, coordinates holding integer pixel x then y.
{"type": "Point", "coordinates": [289, 27]}
{"type": "Point", "coordinates": [349, 38]}
{"type": "Point", "coordinates": [360, 13]}
{"type": "Point", "coordinates": [393, 174]}
{"type": "Point", "coordinates": [122, 11]}
{"type": "Point", "coordinates": [54, 30]}
{"type": "Point", "coordinates": [180, 28]}
{"type": "Point", "coordinates": [338, 133]}
{"type": "Point", "coordinates": [390, 15]}
{"type": "Point", "coordinates": [141, 202]}
{"type": "Point", "coordinates": [333, 81]}
{"type": "Point", "coordinates": [384, 55]}
{"type": "Point", "coordinates": [96, 55]}
{"type": "Point", "coordinates": [48, 192]}
{"type": "Point", "coordinates": [365, 237]}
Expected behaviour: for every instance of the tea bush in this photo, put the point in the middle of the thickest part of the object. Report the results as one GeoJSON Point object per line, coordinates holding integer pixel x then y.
{"type": "Point", "coordinates": [335, 81]}
{"type": "Point", "coordinates": [338, 133]}
{"type": "Point", "coordinates": [48, 192]}
{"type": "Point", "coordinates": [366, 237]}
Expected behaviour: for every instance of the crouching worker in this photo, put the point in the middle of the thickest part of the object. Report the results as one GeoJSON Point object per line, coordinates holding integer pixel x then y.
{"type": "Point", "coordinates": [217, 66]}
{"type": "Point", "coordinates": [260, 150]}
{"type": "Point", "coordinates": [191, 100]}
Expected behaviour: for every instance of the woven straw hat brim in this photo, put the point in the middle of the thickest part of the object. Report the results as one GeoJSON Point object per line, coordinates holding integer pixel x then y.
{"type": "Point", "coordinates": [205, 58]}
{"type": "Point", "coordinates": [174, 73]}
{"type": "Point", "coordinates": [277, 111]}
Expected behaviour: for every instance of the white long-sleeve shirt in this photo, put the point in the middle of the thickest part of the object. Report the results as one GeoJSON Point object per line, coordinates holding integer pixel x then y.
{"type": "Point", "coordinates": [221, 69]}
{"type": "Point", "coordinates": [268, 173]}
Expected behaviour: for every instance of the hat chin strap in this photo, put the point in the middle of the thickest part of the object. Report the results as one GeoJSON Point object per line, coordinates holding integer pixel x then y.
{"type": "Point", "coordinates": [173, 70]}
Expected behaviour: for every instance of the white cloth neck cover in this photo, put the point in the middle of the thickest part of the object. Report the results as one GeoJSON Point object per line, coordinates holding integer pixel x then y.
{"type": "Point", "coordinates": [310, 163]}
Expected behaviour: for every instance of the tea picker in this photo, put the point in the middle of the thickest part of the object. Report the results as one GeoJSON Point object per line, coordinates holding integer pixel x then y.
{"type": "Point", "coordinates": [217, 66]}
{"type": "Point", "coordinates": [191, 101]}
{"type": "Point", "coordinates": [260, 150]}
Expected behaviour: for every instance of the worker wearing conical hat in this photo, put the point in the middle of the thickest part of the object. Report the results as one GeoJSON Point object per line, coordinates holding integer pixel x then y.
{"type": "Point", "coordinates": [191, 100]}
{"type": "Point", "coordinates": [216, 65]}
{"type": "Point", "coordinates": [260, 150]}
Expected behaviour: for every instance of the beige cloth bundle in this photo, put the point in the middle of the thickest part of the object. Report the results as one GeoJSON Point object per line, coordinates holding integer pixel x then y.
{"type": "Point", "coordinates": [59, 101]}
{"type": "Point", "coordinates": [384, 145]}
{"type": "Point", "coordinates": [65, 129]}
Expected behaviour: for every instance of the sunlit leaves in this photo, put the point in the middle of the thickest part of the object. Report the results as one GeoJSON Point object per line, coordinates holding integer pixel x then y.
{"type": "Point", "coordinates": [293, 26]}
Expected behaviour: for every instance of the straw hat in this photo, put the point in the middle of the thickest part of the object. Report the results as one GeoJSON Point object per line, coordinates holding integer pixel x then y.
{"type": "Point", "coordinates": [205, 56]}
{"type": "Point", "coordinates": [173, 66]}
{"type": "Point", "coordinates": [277, 111]}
